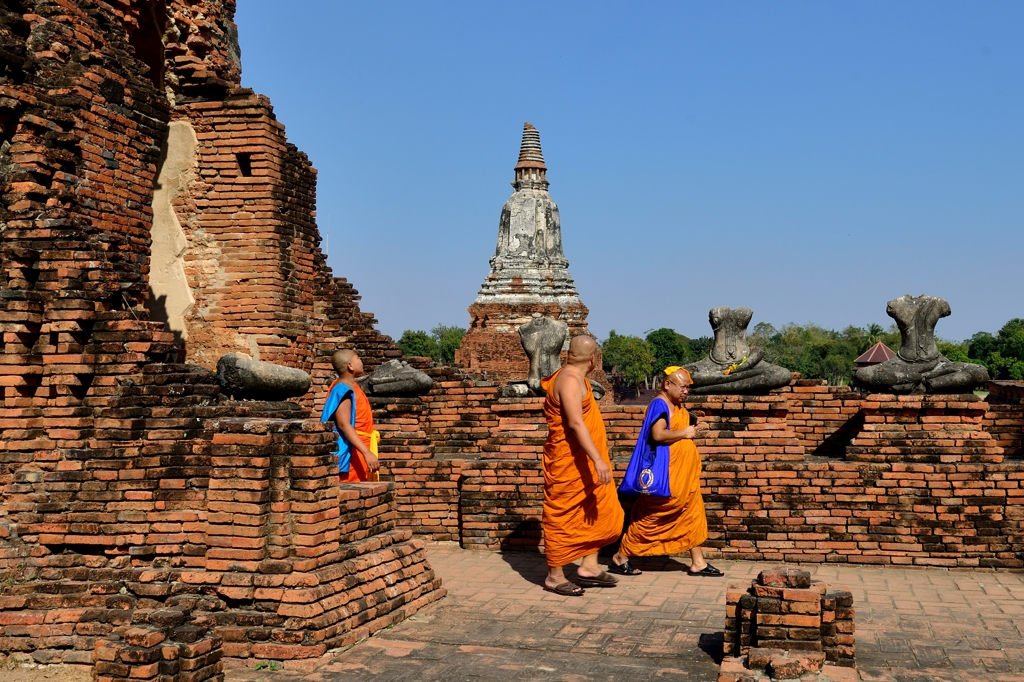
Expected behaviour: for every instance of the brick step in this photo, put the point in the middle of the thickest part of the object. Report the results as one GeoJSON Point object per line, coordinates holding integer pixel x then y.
{"type": "Point", "coordinates": [68, 600]}
{"type": "Point", "coordinates": [54, 587]}
{"type": "Point", "coordinates": [355, 599]}
{"type": "Point", "coordinates": [355, 548]}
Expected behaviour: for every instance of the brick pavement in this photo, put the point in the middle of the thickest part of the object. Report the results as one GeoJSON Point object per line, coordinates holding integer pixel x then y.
{"type": "Point", "coordinates": [497, 624]}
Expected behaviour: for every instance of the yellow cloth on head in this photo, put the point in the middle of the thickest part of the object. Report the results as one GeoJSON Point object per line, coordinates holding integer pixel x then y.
{"type": "Point", "coordinates": [669, 371]}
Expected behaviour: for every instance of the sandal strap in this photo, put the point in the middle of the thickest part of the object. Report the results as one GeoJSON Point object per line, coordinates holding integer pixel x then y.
{"type": "Point", "coordinates": [625, 568]}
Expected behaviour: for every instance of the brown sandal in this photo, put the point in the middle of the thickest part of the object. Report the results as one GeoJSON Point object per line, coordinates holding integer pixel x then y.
{"type": "Point", "coordinates": [602, 580]}
{"type": "Point", "coordinates": [566, 589]}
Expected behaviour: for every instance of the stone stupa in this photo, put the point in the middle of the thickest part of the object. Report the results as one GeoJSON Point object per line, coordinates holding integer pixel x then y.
{"type": "Point", "coordinates": [529, 277]}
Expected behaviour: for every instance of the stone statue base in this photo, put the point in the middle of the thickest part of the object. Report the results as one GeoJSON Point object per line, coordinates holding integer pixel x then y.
{"type": "Point", "coordinates": [709, 379]}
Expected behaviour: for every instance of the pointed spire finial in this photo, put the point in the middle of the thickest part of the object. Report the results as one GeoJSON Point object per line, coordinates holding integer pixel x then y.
{"type": "Point", "coordinates": [531, 159]}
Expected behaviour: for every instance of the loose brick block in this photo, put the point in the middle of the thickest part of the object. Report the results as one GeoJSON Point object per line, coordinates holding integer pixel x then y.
{"type": "Point", "coordinates": [141, 637]}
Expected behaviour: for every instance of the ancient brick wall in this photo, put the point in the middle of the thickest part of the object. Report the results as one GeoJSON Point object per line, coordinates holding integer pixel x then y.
{"type": "Point", "coordinates": [81, 134]}
{"type": "Point", "coordinates": [781, 476]}
{"type": "Point", "coordinates": [825, 418]}
{"type": "Point", "coordinates": [1003, 423]}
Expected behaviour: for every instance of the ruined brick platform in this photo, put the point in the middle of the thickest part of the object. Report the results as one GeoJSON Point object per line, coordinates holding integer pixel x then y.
{"type": "Point", "coordinates": [809, 473]}
{"type": "Point", "coordinates": [272, 557]}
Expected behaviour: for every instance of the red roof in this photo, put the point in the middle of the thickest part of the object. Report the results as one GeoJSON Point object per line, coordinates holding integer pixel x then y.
{"type": "Point", "coordinates": [874, 355]}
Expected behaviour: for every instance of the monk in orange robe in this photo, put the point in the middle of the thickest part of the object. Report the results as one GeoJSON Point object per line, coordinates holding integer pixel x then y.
{"type": "Point", "coordinates": [350, 411]}
{"type": "Point", "coordinates": [670, 525]}
{"type": "Point", "coordinates": [581, 508]}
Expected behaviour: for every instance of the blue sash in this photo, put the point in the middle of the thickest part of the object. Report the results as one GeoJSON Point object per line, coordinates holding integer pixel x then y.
{"type": "Point", "coordinates": [334, 399]}
{"type": "Point", "coordinates": [647, 473]}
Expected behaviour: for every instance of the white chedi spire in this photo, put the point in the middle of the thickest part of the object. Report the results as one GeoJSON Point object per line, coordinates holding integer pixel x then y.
{"type": "Point", "coordinates": [528, 263]}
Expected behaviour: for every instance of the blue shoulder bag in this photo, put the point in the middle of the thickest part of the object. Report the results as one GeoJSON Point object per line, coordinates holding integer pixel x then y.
{"type": "Point", "coordinates": [647, 473]}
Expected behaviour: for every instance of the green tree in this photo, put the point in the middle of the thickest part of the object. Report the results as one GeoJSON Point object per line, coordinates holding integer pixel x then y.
{"type": "Point", "coordinates": [763, 333]}
{"type": "Point", "coordinates": [815, 352]}
{"type": "Point", "coordinates": [1002, 354]}
{"type": "Point", "coordinates": [439, 345]}
{"type": "Point", "coordinates": [1010, 339]}
{"type": "Point", "coordinates": [631, 356]}
{"type": "Point", "coordinates": [700, 347]}
{"type": "Point", "coordinates": [957, 352]}
{"type": "Point", "coordinates": [448, 341]}
{"type": "Point", "coordinates": [416, 343]}
{"type": "Point", "coordinates": [980, 346]}
{"type": "Point", "coordinates": [874, 334]}
{"type": "Point", "coordinates": [669, 348]}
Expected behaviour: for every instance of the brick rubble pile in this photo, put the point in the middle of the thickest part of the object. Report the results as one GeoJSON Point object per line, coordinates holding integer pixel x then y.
{"type": "Point", "coordinates": [787, 626]}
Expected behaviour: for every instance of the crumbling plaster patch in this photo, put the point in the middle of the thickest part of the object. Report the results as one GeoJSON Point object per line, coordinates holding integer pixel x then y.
{"type": "Point", "coordinates": [170, 295]}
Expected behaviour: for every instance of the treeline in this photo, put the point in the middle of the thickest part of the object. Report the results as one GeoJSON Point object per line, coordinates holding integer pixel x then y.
{"type": "Point", "coordinates": [815, 352]}
{"type": "Point", "coordinates": [439, 344]}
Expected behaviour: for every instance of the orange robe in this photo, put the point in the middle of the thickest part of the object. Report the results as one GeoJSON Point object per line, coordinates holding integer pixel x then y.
{"type": "Point", "coordinates": [357, 469]}
{"type": "Point", "coordinates": [670, 525]}
{"type": "Point", "coordinates": [580, 516]}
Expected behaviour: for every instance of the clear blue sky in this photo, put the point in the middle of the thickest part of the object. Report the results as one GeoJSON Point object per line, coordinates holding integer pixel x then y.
{"type": "Point", "coordinates": [808, 160]}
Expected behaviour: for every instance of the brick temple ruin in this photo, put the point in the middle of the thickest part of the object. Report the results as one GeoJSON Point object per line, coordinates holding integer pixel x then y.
{"type": "Point", "coordinates": [155, 217]}
{"type": "Point", "coordinates": [154, 214]}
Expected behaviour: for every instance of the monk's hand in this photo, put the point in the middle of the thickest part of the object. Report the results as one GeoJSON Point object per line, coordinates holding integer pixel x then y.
{"type": "Point", "coordinates": [372, 463]}
{"type": "Point", "coordinates": [690, 432]}
{"type": "Point", "coordinates": [604, 474]}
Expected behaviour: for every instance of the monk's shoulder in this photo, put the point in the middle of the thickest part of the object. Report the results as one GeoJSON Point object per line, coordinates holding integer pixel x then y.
{"type": "Point", "coordinates": [569, 381]}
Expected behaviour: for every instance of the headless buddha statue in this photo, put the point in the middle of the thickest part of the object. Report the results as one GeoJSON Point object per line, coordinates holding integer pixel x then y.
{"type": "Point", "coordinates": [919, 367]}
{"type": "Point", "coordinates": [733, 366]}
{"type": "Point", "coordinates": [543, 339]}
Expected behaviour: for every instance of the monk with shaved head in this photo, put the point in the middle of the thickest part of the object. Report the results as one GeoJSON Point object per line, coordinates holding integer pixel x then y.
{"type": "Point", "coordinates": [348, 408]}
{"type": "Point", "coordinates": [581, 508]}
